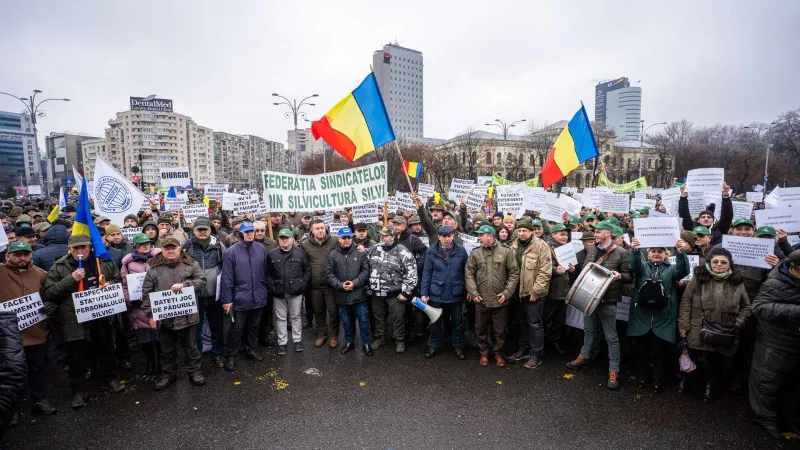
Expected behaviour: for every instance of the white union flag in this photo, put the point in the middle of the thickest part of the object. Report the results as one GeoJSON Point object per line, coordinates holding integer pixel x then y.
{"type": "Point", "coordinates": [114, 196]}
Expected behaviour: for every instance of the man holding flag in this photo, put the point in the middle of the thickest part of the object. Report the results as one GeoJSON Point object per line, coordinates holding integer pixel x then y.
{"type": "Point", "coordinates": [86, 266]}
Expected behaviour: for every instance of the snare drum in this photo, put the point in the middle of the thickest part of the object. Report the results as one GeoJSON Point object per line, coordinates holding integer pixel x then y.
{"type": "Point", "coordinates": [589, 288]}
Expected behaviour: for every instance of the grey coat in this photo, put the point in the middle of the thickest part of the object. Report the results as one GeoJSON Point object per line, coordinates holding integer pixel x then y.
{"type": "Point", "coordinates": [162, 275]}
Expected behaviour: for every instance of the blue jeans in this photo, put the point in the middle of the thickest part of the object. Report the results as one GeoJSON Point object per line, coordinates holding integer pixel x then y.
{"type": "Point", "coordinates": [454, 311]}
{"type": "Point", "coordinates": [606, 316]}
{"type": "Point", "coordinates": [348, 315]}
{"type": "Point", "coordinates": [531, 325]}
{"type": "Point", "coordinates": [212, 309]}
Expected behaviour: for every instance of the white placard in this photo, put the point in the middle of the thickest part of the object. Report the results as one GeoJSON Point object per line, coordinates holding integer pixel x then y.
{"type": "Point", "coordinates": [477, 197]}
{"type": "Point", "coordinates": [591, 198]}
{"type": "Point", "coordinates": [656, 231]}
{"type": "Point", "coordinates": [510, 199]}
{"type": "Point", "coordinates": [640, 194]}
{"type": "Point", "coordinates": [576, 241]}
{"type": "Point", "coordinates": [565, 255]}
{"type": "Point", "coordinates": [425, 190]}
{"type": "Point", "coordinates": [716, 199]}
{"type": "Point", "coordinates": [174, 176]}
{"type": "Point", "coordinates": [334, 228]}
{"type": "Point", "coordinates": [756, 197]}
{"type": "Point", "coordinates": [614, 203]}
{"type": "Point", "coordinates": [135, 281]}
{"type": "Point", "coordinates": [34, 189]}
{"type": "Point", "coordinates": [459, 188]}
{"type": "Point", "coordinates": [215, 191]}
{"type": "Point", "coordinates": [749, 251]}
{"type": "Point", "coordinates": [168, 304]}
{"type": "Point", "coordinates": [556, 206]}
{"type": "Point", "coordinates": [669, 198]}
{"type": "Point", "coordinates": [793, 239]}
{"type": "Point", "coordinates": [391, 204]}
{"type": "Point", "coordinates": [470, 242]}
{"type": "Point", "coordinates": [27, 309]}
{"type": "Point", "coordinates": [742, 210]}
{"type": "Point", "coordinates": [697, 204]}
{"type": "Point", "coordinates": [786, 219]}
{"type": "Point", "coordinates": [129, 232]}
{"type": "Point", "coordinates": [326, 218]}
{"type": "Point", "coordinates": [534, 198]}
{"type": "Point", "coordinates": [624, 309]}
{"type": "Point", "coordinates": [94, 304]}
{"type": "Point", "coordinates": [365, 213]}
{"type": "Point", "coordinates": [219, 286]}
{"type": "Point", "coordinates": [405, 202]}
{"type": "Point", "coordinates": [192, 212]}
{"type": "Point", "coordinates": [694, 261]}
{"type": "Point", "coordinates": [173, 203]}
{"type": "Point", "coordinates": [228, 199]}
{"type": "Point", "coordinates": [640, 203]}
{"type": "Point", "coordinates": [705, 180]}
{"type": "Point", "coordinates": [783, 197]}
{"type": "Point", "coordinates": [574, 317]}
{"type": "Point", "coordinates": [247, 205]}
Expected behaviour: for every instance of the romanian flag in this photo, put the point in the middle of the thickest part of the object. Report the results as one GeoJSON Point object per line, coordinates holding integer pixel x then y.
{"type": "Point", "coordinates": [413, 169]}
{"type": "Point", "coordinates": [358, 124]}
{"type": "Point", "coordinates": [85, 225]}
{"type": "Point", "coordinates": [574, 146]}
{"type": "Point", "coordinates": [62, 203]}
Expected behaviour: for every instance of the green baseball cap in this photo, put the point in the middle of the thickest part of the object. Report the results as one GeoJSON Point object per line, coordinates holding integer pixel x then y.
{"type": "Point", "coordinates": [613, 220]}
{"type": "Point", "coordinates": [766, 230]}
{"type": "Point", "coordinates": [617, 231]}
{"type": "Point", "coordinates": [645, 210]}
{"type": "Point", "coordinates": [701, 230]}
{"type": "Point", "coordinates": [604, 225]}
{"type": "Point", "coordinates": [574, 220]}
{"type": "Point", "coordinates": [636, 215]}
{"type": "Point", "coordinates": [536, 223]}
{"type": "Point", "coordinates": [486, 229]}
{"type": "Point", "coordinates": [140, 238]}
{"type": "Point", "coordinates": [19, 247]}
{"type": "Point", "coordinates": [589, 216]}
{"type": "Point", "coordinates": [558, 227]}
{"type": "Point", "coordinates": [285, 233]}
{"type": "Point", "coordinates": [739, 222]}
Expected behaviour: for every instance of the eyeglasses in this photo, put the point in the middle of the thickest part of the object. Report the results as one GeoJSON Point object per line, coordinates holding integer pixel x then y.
{"type": "Point", "coordinates": [719, 262]}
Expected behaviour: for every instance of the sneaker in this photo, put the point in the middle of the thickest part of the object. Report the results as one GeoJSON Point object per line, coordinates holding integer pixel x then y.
{"type": "Point", "coordinates": [79, 400]}
{"type": "Point", "coordinates": [533, 363]}
{"type": "Point", "coordinates": [401, 347]}
{"type": "Point", "coordinates": [377, 343]}
{"type": "Point", "coordinates": [519, 355]}
{"type": "Point", "coordinates": [281, 350]}
{"type": "Point", "coordinates": [43, 407]}
{"type": "Point", "coordinates": [577, 363]}
{"type": "Point", "coordinates": [613, 380]}
{"type": "Point", "coordinates": [298, 347]}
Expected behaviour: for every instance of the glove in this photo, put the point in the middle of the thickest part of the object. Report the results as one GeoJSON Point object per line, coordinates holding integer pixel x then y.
{"type": "Point", "coordinates": [48, 309]}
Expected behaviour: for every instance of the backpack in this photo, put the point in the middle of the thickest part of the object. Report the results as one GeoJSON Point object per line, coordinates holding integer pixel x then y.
{"type": "Point", "coordinates": [651, 294]}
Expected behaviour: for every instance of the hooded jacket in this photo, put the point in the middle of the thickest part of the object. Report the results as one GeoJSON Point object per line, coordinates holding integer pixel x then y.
{"type": "Point", "coordinates": [718, 229]}
{"type": "Point", "coordinates": [162, 275]}
{"type": "Point", "coordinates": [443, 276]}
{"type": "Point", "coordinates": [55, 246]}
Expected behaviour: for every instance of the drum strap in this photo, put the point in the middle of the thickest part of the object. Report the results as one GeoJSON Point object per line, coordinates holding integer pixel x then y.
{"type": "Point", "coordinates": [602, 259]}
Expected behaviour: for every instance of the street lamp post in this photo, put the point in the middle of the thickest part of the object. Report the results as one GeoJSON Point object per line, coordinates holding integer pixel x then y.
{"type": "Point", "coordinates": [766, 164]}
{"type": "Point", "coordinates": [505, 126]}
{"type": "Point", "coordinates": [641, 143]}
{"type": "Point", "coordinates": [295, 113]}
{"type": "Point", "coordinates": [32, 110]}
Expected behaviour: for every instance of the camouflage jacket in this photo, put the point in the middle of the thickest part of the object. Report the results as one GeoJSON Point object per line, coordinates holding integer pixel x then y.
{"type": "Point", "coordinates": [392, 270]}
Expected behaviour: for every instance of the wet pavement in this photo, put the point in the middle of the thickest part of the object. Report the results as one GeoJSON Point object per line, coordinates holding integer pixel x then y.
{"type": "Point", "coordinates": [322, 399]}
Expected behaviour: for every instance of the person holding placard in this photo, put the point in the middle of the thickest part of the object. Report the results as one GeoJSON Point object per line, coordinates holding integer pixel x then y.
{"type": "Point", "coordinates": [136, 263]}
{"type": "Point", "coordinates": [173, 270]}
{"type": "Point", "coordinates": [706, 217]}
{"type": "Point", "coordinates": [555, 310]}
{"type": "Point", "coordinates": [776, 360]}
{"type": "Point", "coordinates": [20, 278]}
{"type": "Point", "coordinates": [654, 307]}
{"type": "Point", "coordinates": [615, 259]}
{"type": "Point", "coordinates": [209, 252]}
{"type": "Point", "coordinates": [782, 247]}
{"type": "Point", "coordinates": [62, 280]}
{"type": "Point", "coordinates": [713, 310]}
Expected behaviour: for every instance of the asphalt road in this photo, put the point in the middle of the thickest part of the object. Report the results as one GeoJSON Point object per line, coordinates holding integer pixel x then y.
{"type": "Point", "coordinates": [322, 399]}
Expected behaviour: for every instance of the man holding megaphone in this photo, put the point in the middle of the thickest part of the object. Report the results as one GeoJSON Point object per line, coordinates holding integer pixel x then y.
{"type": "Point", "coordinates": [443, 287]}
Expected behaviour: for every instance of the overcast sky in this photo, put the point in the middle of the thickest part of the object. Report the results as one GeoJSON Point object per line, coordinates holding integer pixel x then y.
{"type": "Point", "coordinates": [710, 62]}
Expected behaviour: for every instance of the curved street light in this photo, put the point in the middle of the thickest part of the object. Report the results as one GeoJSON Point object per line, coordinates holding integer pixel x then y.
{"type": "Point", "coordinates": [641, 143]}
{"type": "Point", "coordinates": [504, 126]}
{"type": "Point", "coordinates": [33, 111]}
{"type": "Point", "coordinates": [294, 113]}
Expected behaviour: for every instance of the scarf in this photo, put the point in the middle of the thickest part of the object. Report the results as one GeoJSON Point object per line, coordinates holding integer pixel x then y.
{"type": "Point", "coordinates": [138, 257]}
{"type": "Point", "coordinates": [719, 276]}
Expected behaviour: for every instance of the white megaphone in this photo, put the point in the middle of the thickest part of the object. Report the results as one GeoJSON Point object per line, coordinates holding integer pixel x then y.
{"type": "Point", "coordinates": [430, 311]}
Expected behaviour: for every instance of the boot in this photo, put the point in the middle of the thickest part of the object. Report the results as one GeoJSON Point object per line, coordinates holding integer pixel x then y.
{"type": "Point", "coordinates": [165, 381]}
{"type": "Point", "coordinates": [708, 394]}
{"type": "Point", "coordinates": [771, 428]}
{"type": "Point", "coordinates": [148, 350]}
{"type": "Point", "coordinates": [683, 383]}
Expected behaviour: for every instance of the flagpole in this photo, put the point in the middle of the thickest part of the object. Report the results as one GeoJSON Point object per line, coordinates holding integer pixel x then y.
{"type": "Point", "coordinates": [402, 161]}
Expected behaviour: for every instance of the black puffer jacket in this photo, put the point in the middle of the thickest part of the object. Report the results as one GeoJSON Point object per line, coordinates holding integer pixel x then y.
{"type": "Point", "coordinates": [719, 228]}
{"type": "Point", "coordinates": [347, 264]}
{"type": "Point", "coordinates": [777, 307]}
{"type": "Point", "coordinates": [13, 369]}
{"type": "Point", "coordinates": [288, 273]}
{"type": "Point", "coordinates": [55, 246]}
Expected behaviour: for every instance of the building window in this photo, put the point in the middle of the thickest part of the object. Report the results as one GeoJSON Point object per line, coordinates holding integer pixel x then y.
{"type": "Point", "coordinates": [488, 157]}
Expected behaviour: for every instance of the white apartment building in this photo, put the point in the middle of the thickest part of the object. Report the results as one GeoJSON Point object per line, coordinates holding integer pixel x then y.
{"type": "Point", "coordinates": [399, 73]}
{"type": "Point", "coordinates": [309, 148]}
{"type": "Point", "coordinates": [92, 148]}
{"type": "Point", "coordinates": [240, 159]}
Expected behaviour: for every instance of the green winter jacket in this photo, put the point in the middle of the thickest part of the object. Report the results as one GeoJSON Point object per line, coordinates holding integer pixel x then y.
{"type": "Point", "coordinates": [662, 322]}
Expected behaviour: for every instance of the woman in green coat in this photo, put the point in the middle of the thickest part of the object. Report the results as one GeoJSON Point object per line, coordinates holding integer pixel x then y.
{"type": "Point", "coordinates": [655, 328]}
